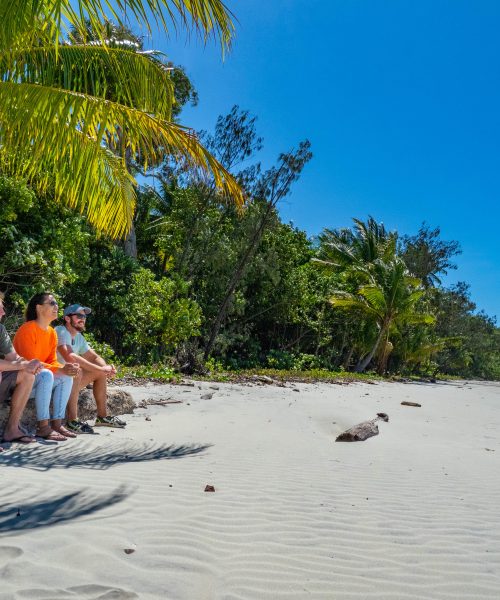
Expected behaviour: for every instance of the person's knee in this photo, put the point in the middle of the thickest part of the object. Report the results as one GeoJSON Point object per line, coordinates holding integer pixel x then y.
{"type": "Point", "coordinates": [25, 377]}
{"type": "Point", "coordinates": [45, 376]}
{"type": "Point", "coordinates": [77, 379]}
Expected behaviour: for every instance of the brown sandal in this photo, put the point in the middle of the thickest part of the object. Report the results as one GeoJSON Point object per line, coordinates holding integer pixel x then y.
{"type": "Point", "coordinates": [65, 432]}
{"type": "Point", "coordinates": [50, 434]}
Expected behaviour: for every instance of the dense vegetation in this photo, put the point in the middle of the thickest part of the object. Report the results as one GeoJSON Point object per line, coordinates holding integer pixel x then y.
{"type": "Point", "coordinates": [210, 285]}
{"type": "Point", "coordinates": [199, 282]}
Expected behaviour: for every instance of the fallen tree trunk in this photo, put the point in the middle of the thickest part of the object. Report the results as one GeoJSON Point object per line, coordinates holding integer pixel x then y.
{"type": "Point", "coordinates": [362, 431]}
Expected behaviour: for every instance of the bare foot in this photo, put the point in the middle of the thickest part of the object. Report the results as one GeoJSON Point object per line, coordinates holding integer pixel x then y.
{"type": "Point", "coordinates": [17, 435]}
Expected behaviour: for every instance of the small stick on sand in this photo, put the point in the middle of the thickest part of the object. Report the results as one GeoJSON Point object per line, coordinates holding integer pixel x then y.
{"type": "Point", "coordinates": [405, 403]}
{"type": "Point", "coordinates": [362, 431]}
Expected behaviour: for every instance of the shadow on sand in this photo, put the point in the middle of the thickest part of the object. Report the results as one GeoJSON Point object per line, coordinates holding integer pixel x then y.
{"type": "Point", "coordinates": [70, 457]}
{"type": "Point", "coordinates": [32, 513]}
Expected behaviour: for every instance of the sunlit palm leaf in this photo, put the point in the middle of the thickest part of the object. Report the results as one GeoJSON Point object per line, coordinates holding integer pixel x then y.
{"type": "Point", "coordinates": [40, 124]}
{"type": "Point", "coordinates": [208, 17]}
{"type": "Point", "coordinates": [126, 77]}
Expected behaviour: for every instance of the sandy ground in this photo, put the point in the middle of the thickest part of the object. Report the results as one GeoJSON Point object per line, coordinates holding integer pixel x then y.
{"type": "Point", "coordinates": [412, 513]}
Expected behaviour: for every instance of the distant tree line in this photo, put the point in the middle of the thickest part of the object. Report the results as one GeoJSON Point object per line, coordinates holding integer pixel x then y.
{"type": "Point", "coordinates": [210, 284]}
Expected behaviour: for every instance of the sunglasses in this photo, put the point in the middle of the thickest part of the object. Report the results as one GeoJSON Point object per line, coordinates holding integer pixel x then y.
{"type": "Point", "coordinates": [78, 315]}
{"type": "Point", "coordinates": [52, 303]}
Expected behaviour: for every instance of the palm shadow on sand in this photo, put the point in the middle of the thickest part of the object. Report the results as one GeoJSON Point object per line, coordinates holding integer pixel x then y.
{"type": "Point", "coordinates": [74, 456]}
{"type": "Point", "coordinates": [32, 513]}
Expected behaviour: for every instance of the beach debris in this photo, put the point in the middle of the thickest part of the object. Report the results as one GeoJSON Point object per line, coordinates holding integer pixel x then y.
{"type": "Point", "coordinates": [214, 387]}
{"type": "Point", "coordinates": [148, 419]}
{"type": "Point", "coordinates": [129, 550]}
{"type": "Point", "coordinates": [158, 402]}
{"type": "Point", "coordinates": [209, 488]}
{"type": "Point", "coordinates": [405, 403]}
{"type": "Point", "coordinates": [489, 450]}
{"type": "Point", "coordinates": [362, 431]}
{"type": "Point", "coordinates": [207, 396]}
{"type": "Point", "coordinates": [296, 389]}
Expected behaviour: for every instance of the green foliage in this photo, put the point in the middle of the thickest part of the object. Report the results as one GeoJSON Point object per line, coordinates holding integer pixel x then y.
{"type": "Point", "coordinates": [102, 348]}
{"type": "Point", "coordinates": [157, 315]}
{"type": "Point", "coordinates": [160, 372]}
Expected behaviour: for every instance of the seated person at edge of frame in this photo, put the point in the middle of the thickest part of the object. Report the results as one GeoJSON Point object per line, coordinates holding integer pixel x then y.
{"type": "Point", "coordinates": [73, 347]}
{"type": "Point", "coordinates": [36, 339]}
{"type": "Point", "coordinates": [17, 376]}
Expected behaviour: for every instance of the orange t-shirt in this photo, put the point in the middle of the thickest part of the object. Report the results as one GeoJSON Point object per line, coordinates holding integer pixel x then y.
{"type": "Point", "coordinates": [31, 341]}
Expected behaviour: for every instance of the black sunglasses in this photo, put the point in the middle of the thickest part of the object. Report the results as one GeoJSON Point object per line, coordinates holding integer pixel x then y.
{"type": "Point", "coordinates": [51, 302]}
{"type": "Point", "coordinates": [79, 315]}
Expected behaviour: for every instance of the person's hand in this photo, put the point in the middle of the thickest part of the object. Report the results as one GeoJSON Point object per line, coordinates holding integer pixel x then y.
{"type": "Point", "coordinates": [109, 370]}
{"type": "Point", "coordinates": [71, 369]}
{"type": "Point", "coordinates": [33, 366]}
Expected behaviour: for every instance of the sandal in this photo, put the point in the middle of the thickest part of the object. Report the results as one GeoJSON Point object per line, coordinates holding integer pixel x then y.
{"type": "Point", "coordinates": [51, 435]}
{"type": "Point", "coordinates": [65, 432]}
{"type": "Point", "coordinates": [22, 439]}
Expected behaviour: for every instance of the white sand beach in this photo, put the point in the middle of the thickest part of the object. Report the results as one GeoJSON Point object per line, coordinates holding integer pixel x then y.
{"type": "Point", "coordinates": [409, 514]}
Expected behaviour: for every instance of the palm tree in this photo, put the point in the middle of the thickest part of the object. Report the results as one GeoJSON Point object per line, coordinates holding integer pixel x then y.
{"type": "Point", "coordinates": [390, 299]}
{"type": "Point", "coordinates": [356, 247]}
{"type": "Point", "coordinates": [63, 106]}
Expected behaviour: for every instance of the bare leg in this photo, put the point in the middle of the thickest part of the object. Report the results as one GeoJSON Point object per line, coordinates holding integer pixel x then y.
{"type": "Point", "coordinates": [72, 408]}
{"type": "Point", "coordinates": [101, 393]}
{"type": "Point", "coordinates": [18, 403]}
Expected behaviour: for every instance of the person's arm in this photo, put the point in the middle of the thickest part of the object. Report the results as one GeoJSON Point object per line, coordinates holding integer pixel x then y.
{"type": "Point", "coordinates": [14, 362]}
{"type": "Point", "coordinates": [90, 360]}
{"type": "Point", "coordinates": [69, 368]}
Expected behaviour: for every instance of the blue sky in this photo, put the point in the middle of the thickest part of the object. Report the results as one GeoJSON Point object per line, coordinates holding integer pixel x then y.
{"type": "Point", "coordinates": [399, 99]}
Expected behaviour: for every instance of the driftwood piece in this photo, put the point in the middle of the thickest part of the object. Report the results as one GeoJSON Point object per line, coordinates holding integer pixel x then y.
{"type": "Point", "coordinates": [362, 431]}
{"type": "Point", "coordinates": [405, 403]}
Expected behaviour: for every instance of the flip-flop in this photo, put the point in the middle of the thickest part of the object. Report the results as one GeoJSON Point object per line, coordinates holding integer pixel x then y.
{"type": "Point", "coordinates": [22, 439]}
{"type": "Point", "coordinates": [53, 436]}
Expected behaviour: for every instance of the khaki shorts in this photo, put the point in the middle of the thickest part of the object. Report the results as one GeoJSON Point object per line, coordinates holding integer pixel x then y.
{"type": "Point", "coordinates": [7, 385]}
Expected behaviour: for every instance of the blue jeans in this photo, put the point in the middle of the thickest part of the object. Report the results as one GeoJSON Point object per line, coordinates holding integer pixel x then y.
{"type": "Point", "coordinates": [49, 387]}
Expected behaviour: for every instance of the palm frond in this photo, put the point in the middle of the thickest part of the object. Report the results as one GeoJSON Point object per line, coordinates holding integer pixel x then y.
{"type": "Point", "coordinates": [126, 77]}
{"type": "Point", "coordinates": [85, 176]}
{"type": "Point", "coordinates": [41, 126]}
{"type": "Point", "coordinates": [210, 18]}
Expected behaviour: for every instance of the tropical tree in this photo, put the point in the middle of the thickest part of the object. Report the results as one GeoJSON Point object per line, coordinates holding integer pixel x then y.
{"type": "Point", "coordinates": [389, 298]}
{"type": "Point", "coordinates": [356, 247]}
{"type": "Point", "coordinates": [63, 106]}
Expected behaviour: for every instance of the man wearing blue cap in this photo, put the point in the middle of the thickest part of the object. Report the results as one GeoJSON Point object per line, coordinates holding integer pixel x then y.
{"type": "Point", "coordinates": [73, 347]}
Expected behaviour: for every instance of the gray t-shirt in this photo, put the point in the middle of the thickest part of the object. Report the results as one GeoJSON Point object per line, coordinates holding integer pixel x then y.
{"type": "Point", "coordinates": [5, 343]}
{"type": "Point", "coordinates": [78, 344]}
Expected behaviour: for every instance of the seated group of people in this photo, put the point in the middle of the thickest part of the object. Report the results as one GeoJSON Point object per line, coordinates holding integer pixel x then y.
{"type": "Point", "coordinates": [51, 366]}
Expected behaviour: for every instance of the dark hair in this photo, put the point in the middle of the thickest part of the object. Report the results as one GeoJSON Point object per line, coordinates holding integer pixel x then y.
{"type": "Point", "coordinates": [30, 314]}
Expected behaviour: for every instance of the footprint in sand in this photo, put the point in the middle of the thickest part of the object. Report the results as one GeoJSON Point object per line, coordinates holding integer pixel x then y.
{"type": "Point", "coordinates": [8, 553]}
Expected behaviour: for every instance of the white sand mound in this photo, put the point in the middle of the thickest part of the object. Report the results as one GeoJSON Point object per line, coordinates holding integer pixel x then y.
{"type": "Point", "coordinates": [411, 513]}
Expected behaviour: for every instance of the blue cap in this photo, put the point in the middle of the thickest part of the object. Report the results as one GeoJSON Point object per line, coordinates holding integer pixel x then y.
{"type": "Point", "coordinates": [74, 308]}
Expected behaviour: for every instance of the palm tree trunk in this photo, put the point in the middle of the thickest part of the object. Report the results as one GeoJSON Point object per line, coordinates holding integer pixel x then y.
{"type": "Point", "coordinates": [363, 363]}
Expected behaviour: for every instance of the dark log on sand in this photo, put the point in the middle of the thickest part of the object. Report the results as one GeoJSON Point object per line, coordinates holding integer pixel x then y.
{"type": "Point", "coordinates": [405, 403]}
{"type": "Point", "coordinates": [362, 431]}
